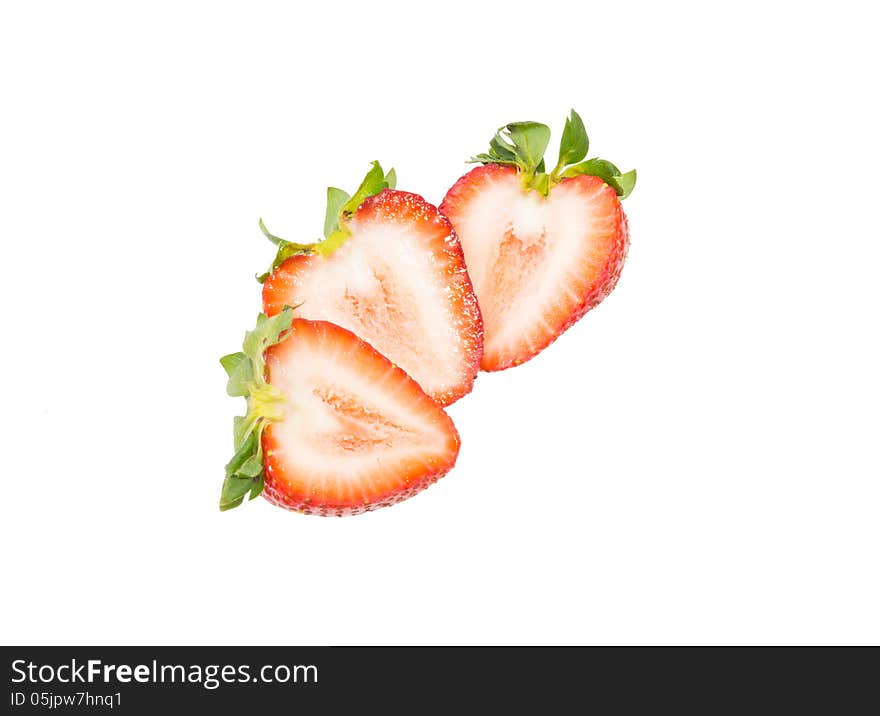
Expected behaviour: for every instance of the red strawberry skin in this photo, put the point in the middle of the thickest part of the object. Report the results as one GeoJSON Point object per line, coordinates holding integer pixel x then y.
{"type": "Point", "coordinates": [518, 322]}
{"type": "Point", "coordinates": [359, 433]}
{"type": "Point", "coordinates": [400, 283]}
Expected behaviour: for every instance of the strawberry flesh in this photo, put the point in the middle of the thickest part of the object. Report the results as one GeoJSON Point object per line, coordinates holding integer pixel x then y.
{"type": "Point", "coordinates": [537, 264]}
{"type": "Point", "coordinates": [357, 432]}
{"type": "Point", "coordinates": [399, 282]}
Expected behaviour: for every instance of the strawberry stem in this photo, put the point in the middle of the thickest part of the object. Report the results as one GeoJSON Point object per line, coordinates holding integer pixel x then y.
{"type": "Point", "coordinates": [265, 404]}
{"type": "Point", "coordinates": [522, 145]}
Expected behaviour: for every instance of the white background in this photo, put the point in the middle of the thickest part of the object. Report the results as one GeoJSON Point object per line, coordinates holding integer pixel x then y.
{"type": "Point", "coordinates": [694, 462]}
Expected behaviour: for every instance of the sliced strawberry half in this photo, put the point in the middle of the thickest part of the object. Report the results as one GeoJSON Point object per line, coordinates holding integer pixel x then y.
{"type": "Point", "coordinates": [392, 271]}
{"type": "Point", "coordinates": [341, 430]}
{"type": "Point", "coordinates": [541, 248]}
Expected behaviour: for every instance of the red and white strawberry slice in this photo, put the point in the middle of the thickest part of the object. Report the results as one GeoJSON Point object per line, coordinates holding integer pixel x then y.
{"type": "Point", "coordinates": [391, 270]}
{"type": "Point", "coordinates": [336, 427]}
{"type": "Point", "coordinates": [541, 248]}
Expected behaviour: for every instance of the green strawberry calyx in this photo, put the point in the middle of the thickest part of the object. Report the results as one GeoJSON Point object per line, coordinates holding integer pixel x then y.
{"type": "Point", "coordinates": [522, 145]}
{"type": "Point", "coordinates": [340, 207]}
{"type": "Point", "coordinates": [246, 371]}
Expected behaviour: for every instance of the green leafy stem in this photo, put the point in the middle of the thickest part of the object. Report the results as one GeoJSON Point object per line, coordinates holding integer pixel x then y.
{"type": "Point", "coordinates": [522, 144]}
{"type": "Point", "coordinates": [265, 403]}
{"type": "Point", "coordinates": [340, 207]}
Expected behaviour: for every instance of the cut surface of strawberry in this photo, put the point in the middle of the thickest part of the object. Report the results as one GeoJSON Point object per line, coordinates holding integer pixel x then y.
{"type": "Point", "coordinates": [537, 263]}
{"type": "Point", "coordinates": [541, 249]}
{"type": "Point", "coordinates": [346, 431]}
{"type": "Point", "coordinates": [394, 274]}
